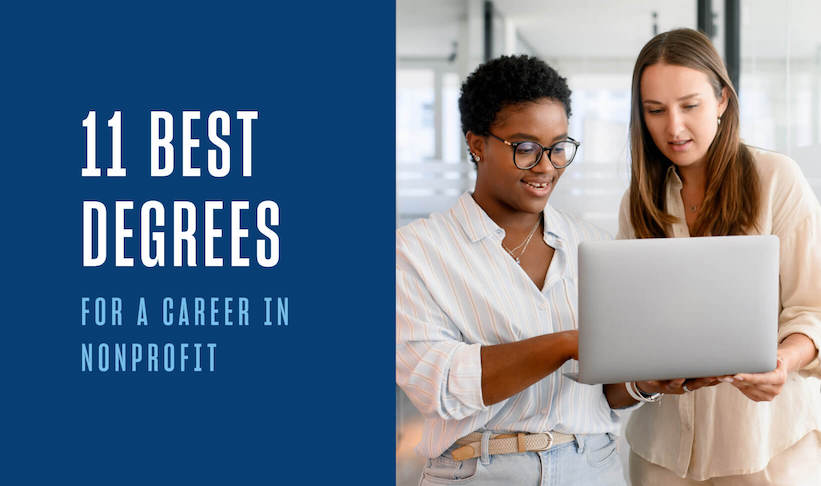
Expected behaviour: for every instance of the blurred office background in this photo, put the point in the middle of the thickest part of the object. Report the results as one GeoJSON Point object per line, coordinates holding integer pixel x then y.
{"type": "Point", "coordinates": [772, 49]}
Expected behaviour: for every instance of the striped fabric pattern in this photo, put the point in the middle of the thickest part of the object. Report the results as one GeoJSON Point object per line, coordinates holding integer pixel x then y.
{"type": "Point", "coordinates": [456, 290]}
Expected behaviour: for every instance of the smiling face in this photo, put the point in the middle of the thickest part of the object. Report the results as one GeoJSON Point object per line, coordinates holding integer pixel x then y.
{"type": "Point", "coordinates": [681, 111]}
{"type": "Point", "coordinates": [500, 185]}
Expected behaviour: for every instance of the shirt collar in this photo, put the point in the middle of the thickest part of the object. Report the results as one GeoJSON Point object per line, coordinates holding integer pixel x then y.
{"type": "Point", "coordinates": [474, 220]}
{"type": "Point", "coordinates": [554, 224]}
{"type": "Point", "coordinates": [478, 225]}
{"type": "Point", "coordinates": [672, 177]}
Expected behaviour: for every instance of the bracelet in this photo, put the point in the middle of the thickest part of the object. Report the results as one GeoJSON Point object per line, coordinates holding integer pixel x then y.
{"type": "Point", "coordinates": [638, 395]}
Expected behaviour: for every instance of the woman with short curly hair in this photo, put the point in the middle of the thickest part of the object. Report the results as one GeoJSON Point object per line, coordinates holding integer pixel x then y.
{"type": "Point", "coordinates": [486, 301]}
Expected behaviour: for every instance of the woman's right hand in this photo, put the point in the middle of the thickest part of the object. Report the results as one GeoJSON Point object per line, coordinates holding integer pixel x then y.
{"type": "Point", "coordinates": [677, 386]}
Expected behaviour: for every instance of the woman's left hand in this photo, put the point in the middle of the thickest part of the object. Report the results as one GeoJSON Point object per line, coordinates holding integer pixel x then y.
{"type": "Point", "coordinates": [795, 351]}
{"type": "Point", "coordinates": [760, 387]}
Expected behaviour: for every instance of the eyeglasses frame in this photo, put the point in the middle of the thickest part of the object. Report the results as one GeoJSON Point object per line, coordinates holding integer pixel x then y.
{"type": "Point", "coordinates": [514, 145]}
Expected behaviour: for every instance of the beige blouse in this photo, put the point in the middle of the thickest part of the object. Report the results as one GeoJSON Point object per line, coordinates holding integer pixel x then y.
{"type": "Point", "coordinates": [718, 431]}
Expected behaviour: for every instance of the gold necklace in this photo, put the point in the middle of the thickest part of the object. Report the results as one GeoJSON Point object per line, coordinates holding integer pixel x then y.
{"type": "Point", "coordinates": [524, 243]}
{"type": "Point", "coordinates": [692, 207]}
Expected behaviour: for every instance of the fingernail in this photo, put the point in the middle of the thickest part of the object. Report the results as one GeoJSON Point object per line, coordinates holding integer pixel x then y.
{"type": "Point", "coordinates": [726, 380]}
{"type": "Point", "coordinates": [738, 378]}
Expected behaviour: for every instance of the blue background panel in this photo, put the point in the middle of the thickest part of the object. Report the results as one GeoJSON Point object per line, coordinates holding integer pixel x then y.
{"type": "Point", "coordinates": [301, 403]}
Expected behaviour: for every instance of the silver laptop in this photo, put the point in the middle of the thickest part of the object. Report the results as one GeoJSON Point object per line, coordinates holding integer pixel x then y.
{"type": "Point", "coordinates": [677, 308]}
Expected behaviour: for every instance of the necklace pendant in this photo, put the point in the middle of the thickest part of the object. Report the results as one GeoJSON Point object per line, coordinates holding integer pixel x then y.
{"type": "Point", "coordinates": [518, 262]}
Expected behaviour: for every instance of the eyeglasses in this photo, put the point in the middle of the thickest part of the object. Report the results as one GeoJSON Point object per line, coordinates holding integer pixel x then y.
{"type": "Point", "coordinates": [526, 155]}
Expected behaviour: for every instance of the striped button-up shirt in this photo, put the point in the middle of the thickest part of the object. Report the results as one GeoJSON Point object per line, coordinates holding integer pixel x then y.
{"type": "Point", "coordinates": [458, 290]}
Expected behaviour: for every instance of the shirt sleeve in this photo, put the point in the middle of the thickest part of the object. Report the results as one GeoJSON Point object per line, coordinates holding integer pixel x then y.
{"type": "Point", "coordinates": [801, 285]}
{"type": "Point", "coordinates": [441, 374]}
{"type": "Point", "coordinates": [797, 223]}
{"type": "Point", "coordinates": [618, 414]}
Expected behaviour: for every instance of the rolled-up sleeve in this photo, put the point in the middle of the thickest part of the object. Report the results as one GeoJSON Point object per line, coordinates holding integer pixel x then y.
{"type": "Point", "coordinates": [797, 223]}
{"type": "Point", "coordinates": [441, 374]}
{"type": "Point", "coordinates": [801, 284]}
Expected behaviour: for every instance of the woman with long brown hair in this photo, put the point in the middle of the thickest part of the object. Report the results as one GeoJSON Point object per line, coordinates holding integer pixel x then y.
{"type": "Point", "coordinates": [692, 176]}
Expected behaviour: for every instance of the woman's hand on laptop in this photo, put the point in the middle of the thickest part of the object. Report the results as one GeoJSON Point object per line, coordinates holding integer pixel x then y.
{"type": "Point", "coordinates": [794, 352]}
{"type": "Point", "coordinates": [677, 386]}
{"type": "Point", "coordinates": [760, 387]}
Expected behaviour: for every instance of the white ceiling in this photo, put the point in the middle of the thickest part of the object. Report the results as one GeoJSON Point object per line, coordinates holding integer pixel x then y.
{"type": "Point", "coordinates": [427, 28]}
{"type": "Point", "coordinates": [592, 28]}
{"type": "Point", "coordinates": [611, 29]}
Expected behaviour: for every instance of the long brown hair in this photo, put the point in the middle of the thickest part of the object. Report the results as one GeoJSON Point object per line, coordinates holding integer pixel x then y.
{"type": "Point", "coordinates": [732, 195]}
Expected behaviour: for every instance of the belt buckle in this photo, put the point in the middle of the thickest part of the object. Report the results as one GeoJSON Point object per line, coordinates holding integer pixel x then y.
{"type": "Point", "coordinates": [522, 446]}
{"type": "Point", "coordinates": [549, 440]}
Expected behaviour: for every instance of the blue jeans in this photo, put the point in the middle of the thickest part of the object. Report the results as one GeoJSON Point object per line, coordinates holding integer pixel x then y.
{"type": "Point", "coordinates": [590, 460]}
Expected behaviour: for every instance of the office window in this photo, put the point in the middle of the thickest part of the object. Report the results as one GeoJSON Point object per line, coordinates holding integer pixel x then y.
{"type": "Point", "coordinates": [415, 133]}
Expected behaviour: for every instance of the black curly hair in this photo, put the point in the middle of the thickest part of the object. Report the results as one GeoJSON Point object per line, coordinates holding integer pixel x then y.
{"type": "Point", "coordinates": [504, 81]}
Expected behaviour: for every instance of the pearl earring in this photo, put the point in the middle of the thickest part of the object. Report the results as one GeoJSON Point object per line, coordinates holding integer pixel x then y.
{"type": "Point", "coordinates": [719, 120]}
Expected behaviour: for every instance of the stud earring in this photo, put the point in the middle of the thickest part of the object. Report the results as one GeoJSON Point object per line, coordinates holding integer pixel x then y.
{"type": "Point", "coordinates": [475, 157]}
{"type": "Point", "coordinates": [719, 120]}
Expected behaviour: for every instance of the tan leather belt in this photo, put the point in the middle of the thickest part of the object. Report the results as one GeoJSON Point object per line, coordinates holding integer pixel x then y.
{"type": "Point", "coordinates": [507, 443]}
